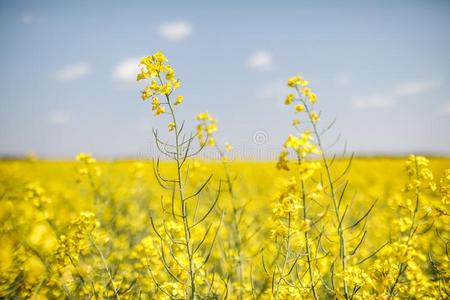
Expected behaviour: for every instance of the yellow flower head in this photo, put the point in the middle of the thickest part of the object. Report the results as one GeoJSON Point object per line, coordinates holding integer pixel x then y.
{"type": "Point", "coordinates": [179, 100]}
{"type": "Point", "coordinates": [297, 81]}
{"type": "Point", "coordinates": [299, 108]}
{"type": "Point", "coordinates": [159, 110]}
{"type": "Point", "coordinates": [159, 57]}
{"type": "Point", "coordinates": [206, 127]}
{"type": "Point", "coordinates": [314, 117]}
{"type": "Point", "coordinates": [162, 80]}
{"type": "Point", "coordinates": [171, 126]}
{"type": "Point", "coordinates": [289, 99]}
{"type": "Point", "coordinates": [165, 89]}
{"type": "Point", "coordinates": [282, 163]}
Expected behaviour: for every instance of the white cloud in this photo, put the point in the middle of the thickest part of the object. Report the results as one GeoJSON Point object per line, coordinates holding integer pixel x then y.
{"type": "Point", "coordinates": [391, 97]}
{"type": "Point", "coordinates": [126, 69]}
{"type": "Point", "coordinates": [175, 31]}
{"type": "Point", "coordinates": [59, 118]}
{"type": "Point", "coordinates": [373, 101]}
{"type": "Point", "coordinates": [260, 60]}
{"type": "Point", "coordinates": [73, 72]}
{"type": "Point", "coordinates": [29, 18]}
{"type": "Point", "coordinates": [415, 88]}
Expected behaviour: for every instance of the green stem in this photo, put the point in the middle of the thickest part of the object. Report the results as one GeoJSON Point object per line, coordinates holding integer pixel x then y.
{"type": "Point", "coordinates": [342, 250]}
{"type": "Point", "coordinates": [307, 248]}
{"type": "Point", "coordinates": [286, 257]}
{"type": "Point", "coordinates": [105, 265]}
{"type": "Point", "coordinates": [187, 233]}
{"type": "Point", "coordinates": [235, 225]}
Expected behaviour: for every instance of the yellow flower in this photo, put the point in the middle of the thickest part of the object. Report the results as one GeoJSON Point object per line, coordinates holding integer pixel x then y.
{"type": "Point", "coordinates": [86, 158]}
{"type": "Point", "coordinates": [159, 110]}
{"type": "Point", "coordinates": [202, 116]}
{"type": "Point", "coordinates": [154, 86]}
{"type": "Point", "coordinates": [156, 107]}
{"type": "Point", "coordinates": [171, 126]}
{"type": "Point", "coordinates": [301, 144]}
{"type": "Point", "coordinates": [228, 147]}
{"type": "Point", "coordinates": [176, 84]}
{"type": "Point", "coordinates": [282, 163]}
{"type": "Point", "coordinates": [210, 128]}
{"type": "Point", "coordinates": [159, 57]}
{"type": "Point", "coordinates": [314, 117]}
{"type": "Point", "coordinates": [170, 75]}
{"type": "Point", "coordinates": [155, 103]}
{"type": "Point", "coordinates": [297, 81]}
{"type": "Point", "coordinates": [154, 67]}
{"type": "Point", "coordinates": [147, 93]}
{"type": "Point", "coordinates": [295, 122]}
{"type": "Point", "coordinates": [165, 89]}
{"type": "Point", "coordinates": [179, 100]}
{"type": "Point", "coordinates": [312, 98]}
{"type": "Point", "coordinates": [293, 81]}
{"type": "Point", "coordinates": [142, 75]}
{"type": "Point", "coordinates": [289, 99]}
{"type": "Point", "coordinates": [304, 82]}
{"type": "Point", "coordinates": [207, 126]}
{"type": "Point", "coordinates": [299, 108]}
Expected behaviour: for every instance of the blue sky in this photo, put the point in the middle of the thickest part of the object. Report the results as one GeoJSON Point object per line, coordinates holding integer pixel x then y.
{"type": "Point", "coordinates": [382, 68]}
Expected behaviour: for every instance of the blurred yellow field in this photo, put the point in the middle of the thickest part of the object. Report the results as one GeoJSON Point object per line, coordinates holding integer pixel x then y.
{"type": "Point", "coordinates": [64, 232]}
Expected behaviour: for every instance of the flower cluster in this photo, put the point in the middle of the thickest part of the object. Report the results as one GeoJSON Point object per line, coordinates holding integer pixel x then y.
{"type": "Point", "coordinates": [36, 195]}
{"type": "Point", "coordinates": [206, 128]}
{"type": "Point", "coordinates": [162, 82]}
{"type": "Point", "coordinates": [75, 242]}
{"type": "Point", "coordinates": [445, 187]}
{"type": "Point", "coordinates": [301, 144]}
{"type": "Point", "coordinates": [420, 175]}
{"type": "Point", "coordinates": [89, 165]}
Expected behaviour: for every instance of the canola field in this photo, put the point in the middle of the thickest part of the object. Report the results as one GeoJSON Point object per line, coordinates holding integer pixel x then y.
{"type": "Point", "coordinates": [307, 226]}
{"type": "Point", "coordinates": [71, 234]}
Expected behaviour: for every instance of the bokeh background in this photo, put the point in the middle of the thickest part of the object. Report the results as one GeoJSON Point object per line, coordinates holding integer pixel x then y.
{"type": "Point", "coordinates": [67, 76]}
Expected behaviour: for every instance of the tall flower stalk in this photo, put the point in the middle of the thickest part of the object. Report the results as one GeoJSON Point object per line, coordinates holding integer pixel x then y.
{"type": "Point", "coordinates": [163, 83]}
{"type": "Point", "coordinates": [205, 133]}
{"type": "Point", "coordinates": [307, 142]}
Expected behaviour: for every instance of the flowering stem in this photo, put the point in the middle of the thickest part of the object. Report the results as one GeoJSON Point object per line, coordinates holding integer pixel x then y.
{"type": "Point", "coordinates": [342, 251]}
{"type": "Point", "coordinates": [187, 233]}
{"type": "Point", "coordinates": [235, 225]}
{"type": "Point", "coordinates": [105, 264]}
{"type": "Point", "coordinates": [403, 266]}
{"type": "Point", "coordinates": [307, 248]}
{"type": "Point", "coordinates": [286, 257]}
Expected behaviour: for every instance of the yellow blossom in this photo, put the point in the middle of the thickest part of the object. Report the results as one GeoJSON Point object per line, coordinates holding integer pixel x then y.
{"type": "Point", "coordinates": [314, 117]}
{"type": "Point", "coordinates": [179, 100]}
{"type": "Point", "coordinates": [289, 99]}
{"type": "Point", "coordinates": [299, 108]}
